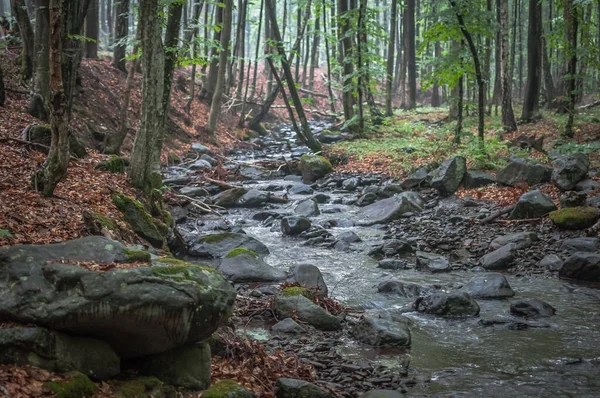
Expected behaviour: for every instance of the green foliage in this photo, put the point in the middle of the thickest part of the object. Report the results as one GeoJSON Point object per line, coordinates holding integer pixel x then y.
{"type": "Point", "coordinates": [222, 389]}
{"type": "Point", "coordinates": [5, 233]}
{"type": "Point", "coordinates": [78, 386]}
{"type": "Point", "coordinates": [297, 291]}
{"type": "Point", "coordinates": [574, 147]}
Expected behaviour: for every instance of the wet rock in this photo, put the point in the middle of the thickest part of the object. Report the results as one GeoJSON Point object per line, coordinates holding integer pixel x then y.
{"type": "Point", "coordinates": [382, 332]}
{"type": "Point", "coordinates": [229, 198]}
{"type": "Point", "coordinates": [253, 198]}
{"type": "Point", "coordinates": [141, 221]}
{"type": "Point", "coordinates": [393, 247]}
{"type": "Point", "coordinates": [350, 184]}
{"type": "Point", "coordinates": [569, 170]}
{"type": "Point", "coordinates": [308, 208]}
{"type": "Point", "coordinates": [187, 366]}
{"type": "Point", "coordinates": [393, 264]}
{"type": "Point", "coordinates": [306, 311]}
{"type": "Point", "coordinates": [263, 215]}
{"type": "Point", "coordinates": [581, 245]}
{"type": "Point", "coordinates": [349, 237]}
{"type": "Point", "coordinates": [218, 245]}
{"type": "Point", "coordinates": [531, 308]}
{"type": "Point", "coordinates": [180, 180]}
{"type": "Point", "coordinates": [322, 198]}
{"type": "Point", "coordinates": [582, 266]}
{"type": "Point", "coordinates": [329, 137]}
{"type": "Point", "coordinates": [288, 325]}
{"type": "Point", "coordinates": [533, 204]}
{"type": "Point", "coordinates": [314, 167]}
{"type": "Point", "coordinates": [382, 394]}
{"type": "Point", "coordinates": [256, 173]}
{"type": "Point", "coordinates": [551, 262]}
{"type": "Point", "coordinates": [58, 352]}
{"type": "Point", "coordinates": [308, 275]}
{"type": "Point", "coordinates": [390, 190]}
{"type": "Point", "coordinates": [588, 185]}
{"type": "Point", "coordinates": [418, 179]}
{"type": "Point", "coordinates": [200, 164]}
{"type": "Point", "coordinates": [243, 266]}
{"type": "Point", "coordinates": [447, 178]}
{"type": "Point", "coordinates": [366, 199]}
{"type": "Point", "coordinates": [431, 262]}
{"type": "Point", "coordinates": [207, 158]}
{"type": "Point", "coordinates": [593, 201]}
{"type": "Point", "coordinates": [575, 217]}
{"type": "Point", "coordinates": [521, 170]}
{"type": "Point", "coordinates": [404, 289]}
{"type": "Point", "coordinates": [291, 177]}
{"type": "Point", "coordinates": [572, 199]}
{"type": "Point", "coordinates": [292, 388]}
{"type": "Point", "coordinates": [295, 225]}
{"type": "Point", "coordinates": [478, 179]}
{"type": "Point", "coordinates": [444, 304]}
{"type": "Point", "coordinates": [300, 189]}
{"type": "Point", "coordinates": [521, 240]}
{"type": "Point", "coordinates": [499, 259]}
{"type": "Point", "coordinates": [391, 209]}
{"type": "Point", "coordinates": [193, 191]}
{"type": "Point", "coordinates": [199, 148]}
{"type": "Point", "coordinates": [512, 324]}
{"type": "Point", "coordinates": [120, 306]}
{"type": "Point", "coordinates": [489, 286]}
{"type": "Point", "coordinates": [227, 389]}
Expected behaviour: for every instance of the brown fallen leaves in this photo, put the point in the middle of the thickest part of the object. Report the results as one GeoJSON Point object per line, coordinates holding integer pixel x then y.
{"type": "Point", "coordinates": [25, 382]}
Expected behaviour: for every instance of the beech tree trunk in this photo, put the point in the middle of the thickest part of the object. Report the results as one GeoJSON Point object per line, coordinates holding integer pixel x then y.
{"type": "Point", "coordinates": [346, 55]}
{"type": "Point", "coordinates": [2, 90]}
{"type": "Point", "coordinates": [208, 89]}
{"type": "Point", "coordinates": [411, 55]}
{"type": "Point", "coordinates": [314, 51]}
{"type": "Point", "coordinates": [19, 10]}
{"type": "Point", "coordinates": [508, 117]}
{"type": "Point", "coordinates": [121, 32]}
{"type": "Point", "coordinates": [390, 61]}
{"type": "Point", "coordinates": [91, 30]}
{"type": "Point", "coordinates": [570, 16]}
{"type": "Point", "coordinates": [534, 61]}
{"type": "Point", "coordinates": [39, 102]}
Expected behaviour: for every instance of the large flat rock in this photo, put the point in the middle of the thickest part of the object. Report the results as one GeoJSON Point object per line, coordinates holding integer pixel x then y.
{"type": "Point", "coordinates": [391, 209]}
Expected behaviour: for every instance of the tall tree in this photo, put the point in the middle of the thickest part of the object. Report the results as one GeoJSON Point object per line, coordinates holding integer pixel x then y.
{"type": "Point", "coordinates": [121, 32]}
{"type": "Point", "coordinates": [19, 10]}
{"type": "Point", "coordinates": [390, 60]}
{"type": "Point", "coordinates": [508, 117]}
{"type": "Point", "coordinates": [92, 30]}
{"type": "Point", "coordinates": [346, 56]}
{"type": "Point", "coordinates": [39, 102]}
{"type": "Point", "coordinates": [570, 17]}
{"type": "Point", "coordinates": [534, 61]}
{"type": "Point", "coordinates": [411, 54]}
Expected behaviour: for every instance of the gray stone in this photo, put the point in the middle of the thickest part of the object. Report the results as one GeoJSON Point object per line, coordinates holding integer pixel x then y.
{"type": "Point", "coordinates": [322, 198]}
{"type": "Point", "coordinates": [255, 173]}
{"type": "Point", "coordinates": [306, 311]}
{"type": "Point", "coordinates": [382, 332]}
{"type": "Point", "coordinates": [478, 179]}
{"type": "Point", "coordinates": [309, 276]}
{"type": "Point", "coordinates": [499, 259]}
{"type": "Point", "coordinates": [382, 394]}
{"type": "Point", "coordinates": [393, 264]}
{"type": "Point", "coordinates": [366, 199]}
{"type": "Point", "coordinates": [213, 162]}
{"type": "Point", "coordinates": [193, 191]}
{"type": "Point", "coordinates": [229, 198]}
{"type": "Point", "coordinates": [489, 286]}
{"type": "Point", "coordinates": [228, 389]}
{"type": "Point", "coordinates": [390, 190]}
{"type": "Point", "coordinates": [521, 240]}
{"type": "Point", "coordinates": [444, 304]}
{"type": "Point", "coordinates": [581, 244]}
{"type": "Point", "coordinates": [307, 208]}
{"type": "Point", "coordinates": [200, 164]}
{"type": "Point", "coordinates": [393, 247]}
{"type": "Point", "coordinates": [572, 199]}
{"type": "Point", "coordinates": [253, 198]}
{"type": "Point", "coordinates": [349, 237]}
{"type": "Point", "coordinates": [246, 267]}
{"type": "Point", "coordinates": [432, 262]}
{"type": "Point", "coordinates": [447, 178]}
{"type": "Point", "coordinates": [187, 366]}
{"type": "Point", "coordinates": [292, 388]}
{"type": "Point", "coordinates": [300, 189]}
{"type": "Point", "coordinates": [582, 266]}
{"type": "Point", "coordinates": [288, 325]}
{"type": "Point", "coordinates": [531, 308]}
{"type": "Point", "coordinates": [404, 289]}
{"type": "Point", "coordinates": [291, 177]}
{"type": "Point", "coordinates": [350, 184]}
{"type": "Point", "coordinates": [199, 148]}
{"type": "Point", "coordinates": [594, 201]}
{"type": "Point", "coordinates": [533, 204]}
{"type": "Point", "coordinates": [294, 225]}
{"type": "Point", "coordinates": [587, 186]}
{"type": "Point", "coordinates": [386, 210]}
{"type": "Point", "coordinates": [417, 179]}
{"type": "Point", "coordinates": [218, 245]}
{"type": "Point", "coordinates": [139, 311]}
{"type": "Point", "coordinates": [314, 167]}
{"type": "Point", "coordinates": [569, 170]}
{"type": "Point", "coordinates": [521, 170]}
{"type": "Point", "coordinates": [551, 262]}
{"type": "Point", "coordinates": [58, 352]}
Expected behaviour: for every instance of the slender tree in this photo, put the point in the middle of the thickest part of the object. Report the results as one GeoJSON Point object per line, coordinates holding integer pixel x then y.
{"type": "Point", "coordinates": [411, 54]}
{"type": "Point", "coordinates": [390, 60]}
{"type": "Point", "coordinates": [121, 32]}
{"type": "Point", "coordinates": [19, 10]}
{"type": "Point", "coordinates": [92, 30]}
{"type": "Point", "coordinates": [570, 17]}
{"type": "Point", "coordinates": [534, 61]}
{"type": "Point", "coordinates": [508, 117]}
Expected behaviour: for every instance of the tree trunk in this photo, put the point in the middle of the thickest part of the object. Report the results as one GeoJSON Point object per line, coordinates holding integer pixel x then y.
{"type": "Point", "coordinates": [121, 33]}
{"type": "Point", "coordinates": [171, 44]}
{"type": "Point", "coordinates": [570, 16]}
{"type": "Point", "coordinates": [534, 60]}
{"type": "Point", "coordinates": [215, 107]}
{"type": "Point", "coordinates": [327, 58]}
{"type": "Point", "coordinates": [55, 166]}
{"type": "Point", "coordinates": [497, 94]}
{"type": "Point", "coordinates": [459, 110]}
{"type": "Point", "coordinates": [2, 90]}
{"type": "Point", "coordinates": [260, 19]}
{"type": "Point", "coordinates": [487, 63]}
{"type": "Point", "coordinates": [390, 61]}
{"type": "Point", "coordinates": [411, 55]}
{"type": "Point", "coordinates": [208, 89]}
{"type": "Point", "coordinates": [360, 31]}
{"type": "Point", "coordinates": [508, 117]}
{"type": "Point", "coordinates": [19, 11]}
{"type": "Point", "coordinates": [241, 46]}
{"type": "Point", "coordinates": [39, 102]}
{"type": "Point", "coordinates": [314, 59]}
{"type": "Point", "coordinates": [520, 65]}
{"type": "Point", "coordinates": [109, 21]}
{"type": "Point", "coordinates": [91, 30]}
{"type": "Point", "coordinates": [145, 157]}
{"type": "Point", "coordinates": [346, 55]}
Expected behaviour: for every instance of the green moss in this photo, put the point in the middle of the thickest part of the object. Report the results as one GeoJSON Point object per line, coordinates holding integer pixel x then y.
{"type": "Point", "coordinates": [135, 256]}
{"type": "Point", "coordinates": [171, 260]}
{"type": "Point", "coordinates": [574, 217]}
{"type": "Point", "coordinates": [78, 386]}
{"type": "Point", "coordinates": [222, 389]}
{"type": "Point", "coordinates": [216, 238]}
{"type": "Point", "coordinates": [138, 388]}
{"type": "Point", "coordinates": [140, 220]}
{"type": "Point", "coordinates": [167, 217]}
{"type": "Point", "coordinates": [179, 273]}
{"type": "Point", "coordinates": [239, 251]}
{"type": "Point", "coordinates": [297, 291]}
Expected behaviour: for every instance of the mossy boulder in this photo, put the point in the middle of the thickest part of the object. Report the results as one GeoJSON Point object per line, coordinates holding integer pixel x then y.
{"type": "Point", "coordinates": [314, 167]}
{"type": "Point", "coordinates": [239, 251]}
{"type": "Point", "coordinates": [114, 164]}
{"type": "Point", "coordinates": [140, 220]}
{"type": "Point", "coordinates": [137, 256]}
{"type": "Point", "coordinates": [297, 291]}
{"type": "Point", "coordinates": [140, 387]}
{"type": "Point", "coordinates": [575, 217]}
{"type": "Point", "coordinates": [227, 389]}
{"type": "Point", "coordinates": [40, 134]}
{"type": "Point", "coordinates": [77, 386]}
{"type": "Point", "coordinates": [221, 244]}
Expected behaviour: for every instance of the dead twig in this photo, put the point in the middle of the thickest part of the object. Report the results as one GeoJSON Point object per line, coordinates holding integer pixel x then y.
{"type": "Point", "coordinates": [497, 214]}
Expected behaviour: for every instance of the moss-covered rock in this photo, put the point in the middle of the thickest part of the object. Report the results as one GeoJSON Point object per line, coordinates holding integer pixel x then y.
{"type": "Point", "coordinates": [240, 250]}
{"type": "Point", "coordinates": [314, 167]}
{"type": "Point", "coordinates": [140, 387]}
{"type": "Point", "coordinates": [114, 164]}
{"type": "Point", "coordinates": [179, 273]}
{"type": "Point", "coordinates": [97, 223]}
{"type": "Point", "coordinates": [575, 217]}
{"type": "Point", "coordinates": [137, 256]}
{"type": "Point", "coordinates": [297, 291]}
{"type": "Point", "coordinates": [171, 260]}
{"type": "Point", "coordinates": [78, 386]}
{"type": "Point", "coordinates": [140, 220]}
{"type": "Point", "coordinates": [227, 389]}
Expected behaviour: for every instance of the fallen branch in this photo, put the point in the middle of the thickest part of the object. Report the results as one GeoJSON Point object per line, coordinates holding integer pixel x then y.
{"type": "Point", "coordinates": [34, 144]}
{"type": "Point", "coordinates": [588, 106]}
{"type": "Point", "coordinates": [497, 214]}
{"type": "Point", "coordinates": [221, 184]}
{"type": "Point", "coordinates": [315, 94]}
{"type": "Point", "coordinates": [593, 230]}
